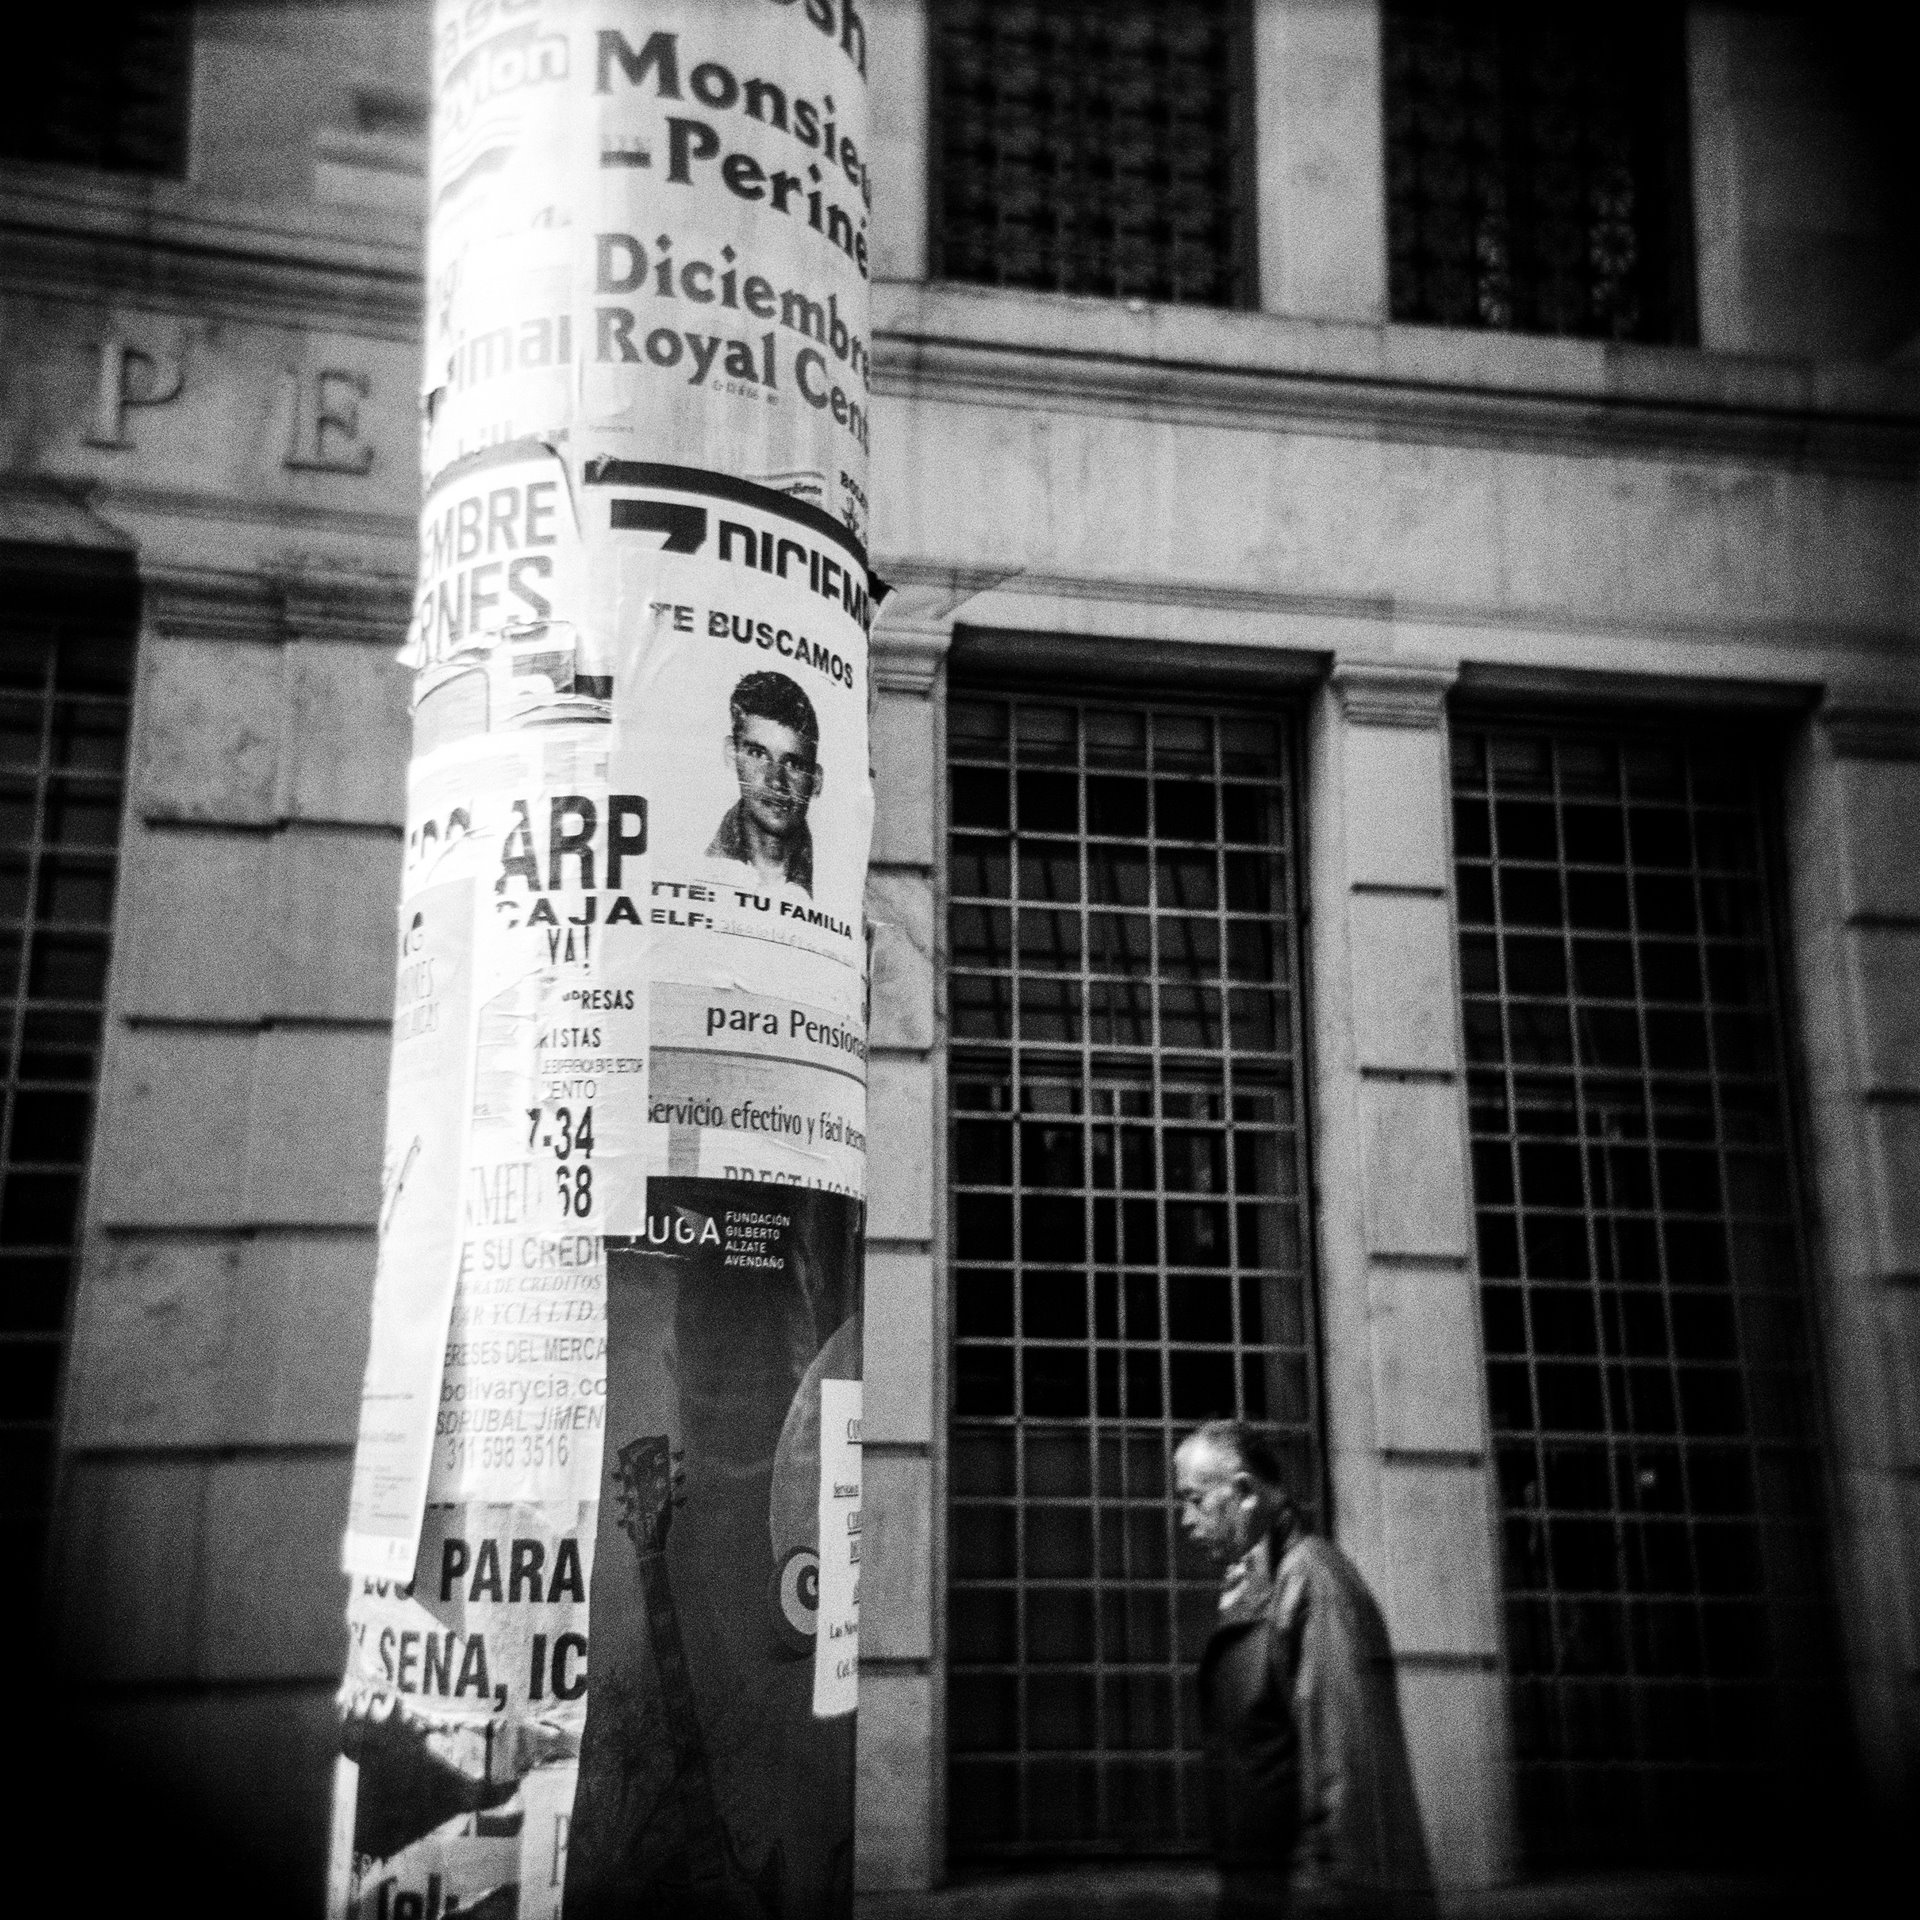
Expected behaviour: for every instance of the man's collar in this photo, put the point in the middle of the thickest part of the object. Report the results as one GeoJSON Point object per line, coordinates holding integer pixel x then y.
{"type": "Point", "coordinates": [1246, 1588]}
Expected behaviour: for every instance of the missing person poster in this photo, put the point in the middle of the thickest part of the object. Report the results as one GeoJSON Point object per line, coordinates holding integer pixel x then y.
{"type": "Point", "coordinates": [750, 689]}
{"type": "Point", "coordinates": [605, 1530]}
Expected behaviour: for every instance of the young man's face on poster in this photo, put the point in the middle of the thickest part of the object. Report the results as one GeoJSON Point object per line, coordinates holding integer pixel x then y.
{"type": "Point", "coordinates": [777, 771]}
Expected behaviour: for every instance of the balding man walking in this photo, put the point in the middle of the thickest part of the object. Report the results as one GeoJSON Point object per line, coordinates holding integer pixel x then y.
{"type": "Point", "coordinates": [1310, 1794]}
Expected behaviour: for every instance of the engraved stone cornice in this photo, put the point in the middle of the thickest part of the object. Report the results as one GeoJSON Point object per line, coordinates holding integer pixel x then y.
{"type": "Point", "coordinates": [1414, 384]}
{"type": "Point", "coordinates": [1407, 410]}
{"type": "Point", "coordinates": [923, 595]}
{"type": "Point", "coordinates": [1379, 693]}
{"type": "Point", "coordinates": [165, 244]}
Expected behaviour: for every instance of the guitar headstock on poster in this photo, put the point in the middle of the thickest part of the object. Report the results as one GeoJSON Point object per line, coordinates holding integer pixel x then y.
{"type": "Point", "coordinates": [648, 1483]}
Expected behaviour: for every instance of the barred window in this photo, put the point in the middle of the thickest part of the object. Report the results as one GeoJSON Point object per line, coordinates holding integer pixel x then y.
{"type": "Point", "coordinates": [1670, 1659]}
{"type": "Point", "coordinates": [1537, 168]}
{"type": "Point", "coordinates": [1131, 1258]}
{"type": "Point", "coordinates": [106, 87]}
{"type": "Point", "coordinates": [65, 696]}
{"type": "Point", "coordinates": [1094, 146]}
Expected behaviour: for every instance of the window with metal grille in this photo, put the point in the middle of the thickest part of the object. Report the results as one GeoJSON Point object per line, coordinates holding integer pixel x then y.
{"type": "Point", "coordinates": [104, 86]}
{"type": "Point", "coordinates": [64, 702]}
{"type": "Point", "coordinates": [1648, 1370]}
{"type": "Point", "coordinates": [1093, 146]}
{"type": "Point", "coordinates": [1537, 168]}
{"type": "Point", "coordinates": [1128, 1237]}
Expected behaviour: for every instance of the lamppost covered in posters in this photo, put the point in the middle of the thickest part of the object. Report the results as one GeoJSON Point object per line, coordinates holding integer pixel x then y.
{"type": "Point", "coordinates": [604, 1533]}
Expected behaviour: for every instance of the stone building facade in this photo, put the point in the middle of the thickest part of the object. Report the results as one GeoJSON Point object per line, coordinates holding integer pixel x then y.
{"type": "Point", "coordinates": [1491, 1059]}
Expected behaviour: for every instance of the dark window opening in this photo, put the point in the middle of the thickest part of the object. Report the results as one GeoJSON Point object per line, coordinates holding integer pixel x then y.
{"type": "Point", "coordinates": [1093, 146]}
{"type": "Point", "coordinates": [105, 86]}
{"type": "Point", "coordinates": [1129, 1238]}
{"type": "Point", "coordinates": [65, 697]}
{"type": "Point", "coordinates": [1649, 1374]}
{"type": "Point", "coordinates": [1537, 168]}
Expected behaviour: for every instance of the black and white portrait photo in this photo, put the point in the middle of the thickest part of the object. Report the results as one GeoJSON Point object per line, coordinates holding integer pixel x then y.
{"type": "Point", "coordinates": [772, 746]}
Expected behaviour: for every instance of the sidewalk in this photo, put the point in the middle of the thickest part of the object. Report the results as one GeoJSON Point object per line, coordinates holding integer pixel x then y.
{"type": "Point", "coordinates": [1180, 1891]}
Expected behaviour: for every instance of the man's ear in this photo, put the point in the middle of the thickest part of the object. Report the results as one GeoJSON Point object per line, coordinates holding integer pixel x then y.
{"type": "Point", "coordinates": [726, 750]}
{"type": "Point", "coordinates": [1245, 1488]}
{"type": "Point", "coordinates": [819, 781]}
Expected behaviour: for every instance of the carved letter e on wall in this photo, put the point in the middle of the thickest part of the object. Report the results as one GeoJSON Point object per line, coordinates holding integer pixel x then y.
{"type": "Point", "coordinates": [326, 423]}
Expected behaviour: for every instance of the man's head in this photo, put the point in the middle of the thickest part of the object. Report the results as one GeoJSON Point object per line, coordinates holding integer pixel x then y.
{"type": "Point", "coordinates": [1231, 1486]}
{"type": "Point", "coordinates": [772, 747]}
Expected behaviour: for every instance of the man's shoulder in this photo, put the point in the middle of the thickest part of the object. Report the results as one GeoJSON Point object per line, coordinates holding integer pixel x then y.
{"type": "Point", "coordinates": [1321, 1580]}
{"type": "Point", "coordinates": [1315, 1553]}
{"type": "Point", "coordinates": [1314, 1564]}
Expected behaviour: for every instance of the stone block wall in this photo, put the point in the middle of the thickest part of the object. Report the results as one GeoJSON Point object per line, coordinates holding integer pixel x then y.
{"type": "Point", "coordinates": [1400, 1328]}
{"type": "Point", "coordinates": [221, 1313]}
{"type": "Point", "coordinates": [900, 1809]}
{"type": "Point", "coordinates": [1853, 795]}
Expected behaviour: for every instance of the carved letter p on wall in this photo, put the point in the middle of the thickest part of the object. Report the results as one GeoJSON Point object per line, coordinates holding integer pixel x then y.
{"type": "Point", "coordinates": [129, 376]}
